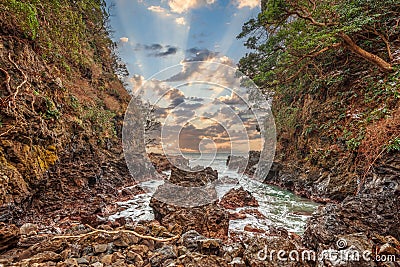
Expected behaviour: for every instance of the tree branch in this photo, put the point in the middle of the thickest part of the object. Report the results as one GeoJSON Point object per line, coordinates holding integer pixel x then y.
{"type": "Point", "coordinates": [313, 21]}
{"type": "Point", "coordinates": [352, 46]}
{"type": "Point", "coordinates": [385, 40]}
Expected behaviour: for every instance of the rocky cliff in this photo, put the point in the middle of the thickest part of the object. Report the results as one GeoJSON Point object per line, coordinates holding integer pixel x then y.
{"type": "Point", "coordinates": [62, 106]}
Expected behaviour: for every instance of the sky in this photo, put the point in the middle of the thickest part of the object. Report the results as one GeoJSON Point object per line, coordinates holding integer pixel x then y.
{"type": "Point", "coordinates": [153, 35]}
{"type": "Point", "coordinates": [181, 56]}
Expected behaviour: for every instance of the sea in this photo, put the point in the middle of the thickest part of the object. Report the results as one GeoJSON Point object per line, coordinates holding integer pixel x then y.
{"type": "Point", "coordinates": [281, 208]}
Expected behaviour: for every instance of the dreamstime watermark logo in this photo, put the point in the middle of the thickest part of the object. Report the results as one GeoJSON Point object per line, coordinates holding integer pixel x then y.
{"type": "Point", "coordinates": [197, 112]}
{"type": "Point", "coordinates": [342, 254]}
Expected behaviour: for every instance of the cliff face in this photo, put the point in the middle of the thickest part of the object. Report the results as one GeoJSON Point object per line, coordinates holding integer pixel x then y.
{"type": "Point", "coordinates": [62, 106]}
{"type": "Point", "coordinates": [337, 113]}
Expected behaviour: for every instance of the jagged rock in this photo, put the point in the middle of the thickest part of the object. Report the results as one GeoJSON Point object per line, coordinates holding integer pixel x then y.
{"type": "Point", "coordinates": [193, 179]}
{"type": "Point", "coordinates": [195, 242]}
{"type": "Point", "coordinates": [162, 254]}
{"type": "Point", "coordinates": [125, 240]}
{"type": "Point", "coordinates": [243, 164]}
{"type": "Point", "coordinates": [163, 163]}
{"type": "Point", "coordinates": [210, 220]}
{"type": "Point", "coordinates": [237, 198]}
{"type": "Point", "coordinates": [365, 213]}
{"type": "Point", "coordinates": [9, 236]}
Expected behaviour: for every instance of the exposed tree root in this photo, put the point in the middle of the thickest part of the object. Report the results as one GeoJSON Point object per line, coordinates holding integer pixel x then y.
{"type": "Point", "coordinates": [23, 74]}
{"type": "Point", "coordinates": [94, 231]}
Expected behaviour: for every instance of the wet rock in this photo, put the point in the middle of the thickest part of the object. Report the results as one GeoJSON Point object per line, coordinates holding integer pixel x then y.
{"type": "Point", "coordinates": [254, 212]}
{"type": "Point", "coordinates": [237, 198]}
{"type": "Point", "coordinates": [250, 228]}
{"type": "Point", "coordinates": [237, 216]}
{"type": "Point", "coordinates": [365, 213]}
{"type": "Point", "coordinates": [9, 236]}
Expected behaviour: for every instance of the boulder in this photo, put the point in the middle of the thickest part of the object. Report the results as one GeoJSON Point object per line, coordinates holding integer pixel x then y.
{"type": "Point", "coordinates": [210, 220]}
{"type": "Point", "coordinates": [192, 179]}
{"type": "Point", "coordinates": [237, 198]}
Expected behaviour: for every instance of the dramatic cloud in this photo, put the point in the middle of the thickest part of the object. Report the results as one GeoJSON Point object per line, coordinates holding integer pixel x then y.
{"type": "Point", "coordinates": [247, 3]}
{"type": "Point", "coordinates": [191, 137]}
{"type": "Point", "coordinates": [169, 51]}
{"type": "Point", "coordinates": [197, 54]}
{"type": "Point", "coordinates": [194, 55]}
{"type": "Point", "coordinates": [181, 6]}
{"type": "Point", "coordinates": [157, 50]}
{"type": "Point", "coordinates": [124, 39]}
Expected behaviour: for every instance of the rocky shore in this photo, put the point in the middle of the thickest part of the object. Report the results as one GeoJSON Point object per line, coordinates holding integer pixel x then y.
{"type": "Point", "coordinates": [200, 236]}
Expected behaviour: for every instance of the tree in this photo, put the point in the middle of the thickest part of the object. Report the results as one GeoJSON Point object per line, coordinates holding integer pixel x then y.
{"type": "Point", "coordinates": [290, 37]}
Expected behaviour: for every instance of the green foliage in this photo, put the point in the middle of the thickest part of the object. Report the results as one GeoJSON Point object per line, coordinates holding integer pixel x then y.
{"type": "Point", "coordinates": [52, 112]}
{"type": "Point", "coordinates": [394, 145]}
{"type": "Point", "coordinates": [69, 33]}
{"type": "Point", "coordinates": [300, 40]}
{"type": "Point", "coordinates": [26, 14]}
{"type": "Point", "coordinates": [74, 102]}
{"type": "Point", "coordinates": [101, 120]}
{"type": "Point", "coordinates": [286, 119]}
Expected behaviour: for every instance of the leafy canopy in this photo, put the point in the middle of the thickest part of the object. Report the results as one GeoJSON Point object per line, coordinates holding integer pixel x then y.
{"type": "Point", "coordinates": [297, 38]}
